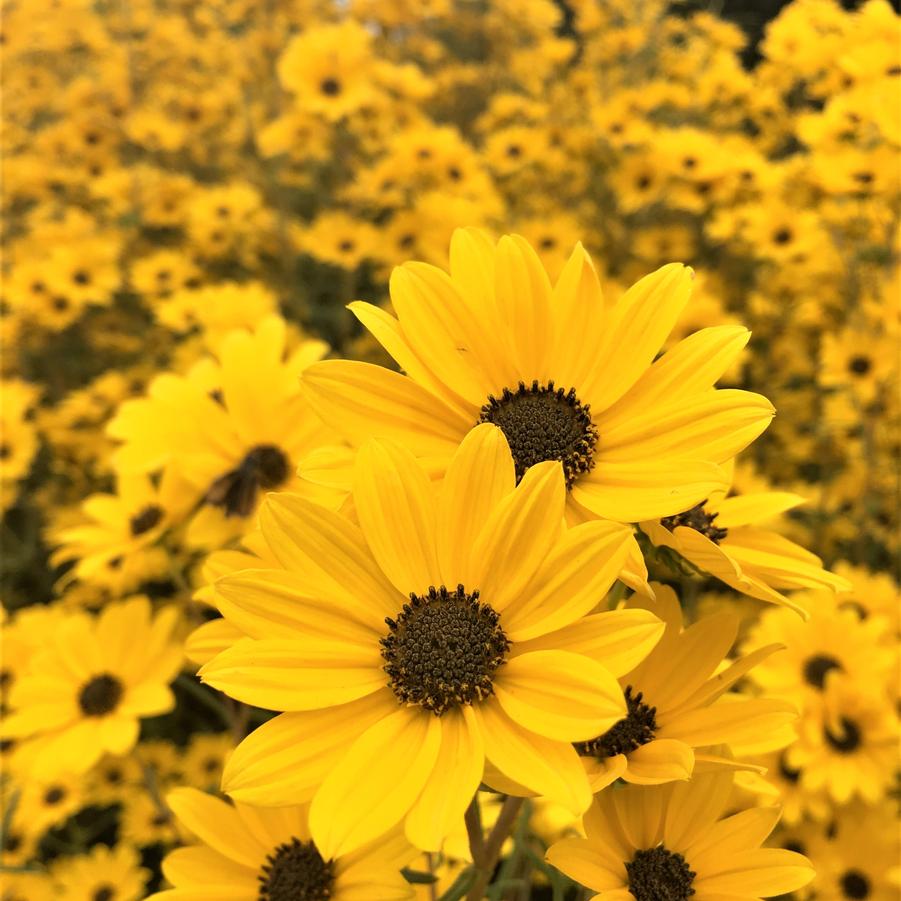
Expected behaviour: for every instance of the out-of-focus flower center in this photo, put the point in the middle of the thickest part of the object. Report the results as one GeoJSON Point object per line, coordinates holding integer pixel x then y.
{"type": "Point", "coordinates": [265, 466]}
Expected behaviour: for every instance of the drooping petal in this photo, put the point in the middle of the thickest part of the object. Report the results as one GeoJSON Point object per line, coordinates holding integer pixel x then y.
{"type": "Point", "coordinates": [661, 760]}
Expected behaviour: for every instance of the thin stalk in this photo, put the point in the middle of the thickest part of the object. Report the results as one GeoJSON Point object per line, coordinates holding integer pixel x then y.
{"type": "Point", "coordinates": [491, 849]}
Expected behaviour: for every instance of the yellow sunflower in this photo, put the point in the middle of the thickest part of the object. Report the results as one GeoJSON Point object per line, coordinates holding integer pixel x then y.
{"type": "Point", "coordinates": [412, 648]}
{"type": "Point", "coordinates": [249, 853]}
{"type": "Point", "coordinates": [671, 842]}
{"type": "Point", "coordinates": [566, 375]}
{"type": "Point", "coordinates": [849, 745]}
{"type": "Point", "coordinates": [834, 639]}
{"type": "Point", "coordinates": [724, 536]}
{"type": "Point", "coordinates": [233, 426]}
{"type": "Point", "coordinates": [678, 706]}
{"type": "Point", "coordinates": [114, 545]}
{"type": "Point", "coordinates": [87, 688]}
{"type": "Point", "coordinates": [103, 874]}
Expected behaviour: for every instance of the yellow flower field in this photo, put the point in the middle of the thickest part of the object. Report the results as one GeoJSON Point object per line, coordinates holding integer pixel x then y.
{"type": "Point", "coordinates": [450, 449]}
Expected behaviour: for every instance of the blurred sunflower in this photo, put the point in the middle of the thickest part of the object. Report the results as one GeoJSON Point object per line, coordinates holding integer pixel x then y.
{"type": "Point", "coordinates": [249, 853]}
{"type": "Point", "coordinates": [403, 704]}
{"type": "Point", "coordinates": [86, 690]}
{"type": "Point", "coordinates": [565, 376]}
{"type": "Point", "coordinates": [233, 427]}
{"type": "Point", "coordinates": [103, 874]}
{"type": "Point", "coordinates": [669, 842]}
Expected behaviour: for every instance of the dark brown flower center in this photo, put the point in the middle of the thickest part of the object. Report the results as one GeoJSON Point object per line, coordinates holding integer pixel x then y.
{"type": "Point", "coordinates": [637, 728]}
{"type": "Point", "coordinates": [817, 667]}
{"type": "Point", "coordinates": [295, 871]}
{"type": "Point", "coordinates": [657, 874]}
{"type": "Point", "coordinates": [700, 520]}
{"type": "Point", "coordinates": [543, 422]}
{"type": "Point", "coordinates": [847, 740]}
{"type": "Point", "coordinates": [443, 649]}
{"type": "Point", "coordinates": [855, 884]}
{"type": "Point", "coordinates": [144, 521]}
{"type": "Point", "coordinates": [101, 695]}
{"type": "Point", "coordinates": [331, 87]}
{"type": "Point", "coordinates": [265, 466]}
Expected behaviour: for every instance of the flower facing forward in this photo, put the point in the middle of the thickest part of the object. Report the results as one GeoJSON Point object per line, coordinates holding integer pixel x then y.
{"type": "Point", "coordinates": [679, 705]}
{"type": "Point", "coordinates": [565, 375]}
{"type": "Point", "coordinates": [724, 536]}
{"type": "Point", "coordinates": [411, 648]}
{"type": "Point", "coordinates": [668, 843]}
{"type": "Point", "coordinates": [233, 427]}
{"type": "Point", "coordinates": [86, 690]}
{"type": "Point", "coordinates": [257, 854]}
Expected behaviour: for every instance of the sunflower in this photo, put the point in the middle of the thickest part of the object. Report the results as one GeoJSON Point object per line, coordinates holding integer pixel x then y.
{"type": "Point", "coordinates": [834, 639]}
{"type": "Point", "coordinates": [114, 546]}
{"type": "Point", "coordinates": [677, 702]}
{"type": "Point", "coordinates": [669, 842]}
{"type": "Point", "coordinates": [103, 874]}
{"type": "Point", "coordinates": [360, 638]}
{"type": "Point", "coordinates": [857, 858]}
{"type": "Point", "coordinates": [250, 853]}
{"type": "Point", "coordinates": [848, 746]}
{"type": "Point", "coordinates": [564, 375]}
{"type": "Point", "coordinates": [87, 688]}
{"type": "Point", "coordinates": [723, 536]}
{"type": "Point", "coordinates": [330, 69]}
{"type": "Point", "coordinates": [233, 426]}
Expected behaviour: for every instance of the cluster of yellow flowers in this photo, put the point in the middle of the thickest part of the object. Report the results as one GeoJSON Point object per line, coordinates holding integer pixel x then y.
{"type": "Point", "coordinates": [478, 587]}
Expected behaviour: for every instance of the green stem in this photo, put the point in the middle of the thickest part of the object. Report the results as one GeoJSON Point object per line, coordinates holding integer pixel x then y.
{"type": "Point", "coordinates": [490, 850]}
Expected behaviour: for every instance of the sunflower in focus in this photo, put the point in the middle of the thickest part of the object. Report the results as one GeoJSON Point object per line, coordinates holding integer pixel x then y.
{"type": "Point", "coordinates": [678, 706]}
{"type": "Point", "coordinates": [412, 648]}
{"type": "Point", "coordinates": [87, 688]}
{"type": "Point", "coordinates": [565, 375]}
{"type": "Point", "coordinates": [250, 853]}
{"type": "Point", "coordinates": [672, 842]}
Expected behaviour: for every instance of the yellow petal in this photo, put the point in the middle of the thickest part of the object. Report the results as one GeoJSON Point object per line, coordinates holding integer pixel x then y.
{"type": "Point", "coordinates": [361, 401]}
{"type": "Point", "coordinates": [395, 502]}
{"type": "Point", "coordinates": [560, 695]}
{"type": "Point", "coordinates": [661, 760]}
{"type": "Point", "coordinates": [617, 639]}
{"type": "Point", "coordinates": [458, 771]}
{"type": "Point", "coordinates": [637, 326]}
{"type": "Point", "coordinates": [746, 509]}
{"type": "Point", "coordinates": [638, 490]}
{"type": "Point", "coordinates": [376, 783]}
{"type": "Point", "coordinates": [285, 759]}
{"type": "Point", "coordinates": [577, 572]}
{"type": "Point", "coordinates": [216, 824]}
{"type": "Point", "coordinates": [479, 476]}
{"type": "Point", "coordinates": [284, 674]}
{"type": "Point", "coordinates": [580, 861]}
{"type": "Point", "coordinates": [518, 535]}
{"type": "Point", "coordinates": [545, 767]}
{"type": "Point", "coordinates": [331, 552]}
